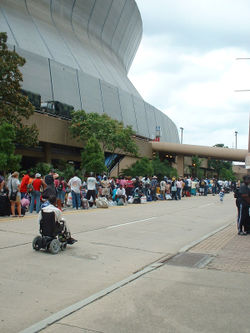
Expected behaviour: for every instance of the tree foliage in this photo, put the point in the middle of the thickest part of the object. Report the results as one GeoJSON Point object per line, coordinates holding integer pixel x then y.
{"type": "Point", "coordinates": [155, 167]}
{"type": "Point", "coordinates": [93, 157]}
{"type": "Point", "coordinates": [14, 107]}
{"type": "Point", "coordinates": [222, 168]}
{"type": "Point", "coordinates": [109, 132]}
{"type": "Point", "coordinates": [8, 160]}
{"type": "Point", "coordinates": [163, 168]}
{"type": "Point", "coordinates": [141, 167]}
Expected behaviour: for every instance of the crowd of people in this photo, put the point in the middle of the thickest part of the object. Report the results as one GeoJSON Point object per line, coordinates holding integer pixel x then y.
{"type": "Point", "coordinates": [31, 192]}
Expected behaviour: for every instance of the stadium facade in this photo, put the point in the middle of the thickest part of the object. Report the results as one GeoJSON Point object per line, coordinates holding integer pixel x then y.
{"type": "Point", "coordinates": [79, 52]}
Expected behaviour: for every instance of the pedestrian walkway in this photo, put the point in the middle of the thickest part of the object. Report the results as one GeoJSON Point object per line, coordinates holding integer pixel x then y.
{"type": "Point", "coordinates": [231, 252]}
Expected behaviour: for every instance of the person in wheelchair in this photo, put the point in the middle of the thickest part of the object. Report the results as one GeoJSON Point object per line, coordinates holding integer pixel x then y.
{"type": "Point", "coordinates": [62, 227]}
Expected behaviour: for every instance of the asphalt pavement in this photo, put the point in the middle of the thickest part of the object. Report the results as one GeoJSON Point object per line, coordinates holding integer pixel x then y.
{"type": "Point", "coordinates": [159, 267]}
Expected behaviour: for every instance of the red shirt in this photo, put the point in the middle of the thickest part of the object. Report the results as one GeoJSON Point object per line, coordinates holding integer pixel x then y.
{"type": "Point", "coordinates": [37, 182]}
{"type": "Point", "coordinates": [24, 183]}
{"type": "Point", "coordinates": [130, 184]}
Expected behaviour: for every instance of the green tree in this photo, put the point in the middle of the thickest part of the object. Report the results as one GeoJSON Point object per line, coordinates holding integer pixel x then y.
{"type": "Point", "coordinates": [227, 174]}
{"type": "Point", "coordinates": [42, 168]}
{"type": "Point", "coordinates": [14, 107]}
{"type": "Point", "coordinates": [221, 166]}
{"type": "Point", "coordinates": [141, 167]}
{"type": "Point", "coordinates": [8, 160]}
{"type": "Point", "coordinates": [93, 157]}
{"type": "Point", "coordinates": [163, 168]}
{"type": "Point", "coordinates": [109, 132]}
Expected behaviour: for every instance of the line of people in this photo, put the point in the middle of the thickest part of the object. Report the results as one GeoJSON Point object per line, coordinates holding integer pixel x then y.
{"type": "Point", "coordinates": [32, 191]}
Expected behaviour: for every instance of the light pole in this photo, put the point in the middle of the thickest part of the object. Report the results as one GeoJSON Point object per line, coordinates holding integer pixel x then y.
{"type": "Point", "coordinates": [247, 160]}
{"type": "Point", "coordinates": [181, 128]}
{"type": "Point", "coordinates": [236, 133]}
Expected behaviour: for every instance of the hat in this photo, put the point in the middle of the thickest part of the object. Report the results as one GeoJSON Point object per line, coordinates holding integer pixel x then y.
{"type": "Point", "coordinates": [37, 175]}
{"type": "Point", "coordinates": [154, 177]}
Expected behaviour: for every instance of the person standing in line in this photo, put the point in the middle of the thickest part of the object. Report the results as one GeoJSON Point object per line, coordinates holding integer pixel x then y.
{"type": "Point", "coordinates": [91, 188]}
{"type": "Point", "coordinates": [60, 186]}
{"type": "Point", "coordinates": [163, 185]}
{"type": "Point", "coordinates": [153, 185]}
{"type": "Point", "coordinates": [244, 205]}
{"type": "Point", "coordinates": [174, 189]}
{"type": "Point", "coordinates": [105, 187]}
{"type": "Point", "coordinates": [179, 188]}
{"type": "Point", "coordinates": [129, 186]}
{"type": "Point", "coordinates": [145, 184]}
{"type": "Point", "coordinates": [14, 194]}
{"type": "Point", "coordinates": [24, 184]}
{"type": "Point", "coordinates": [37, 184]}
{"type": "Point", "coordinates": [75, 185]}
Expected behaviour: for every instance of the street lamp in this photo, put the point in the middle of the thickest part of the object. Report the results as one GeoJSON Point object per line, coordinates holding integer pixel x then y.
{"type": "Point", "coordinates": [181, 128]}
{"type": "Point", "coordinates": [247, 160]}
{"type": "Point", "coordinates": [236, 133]}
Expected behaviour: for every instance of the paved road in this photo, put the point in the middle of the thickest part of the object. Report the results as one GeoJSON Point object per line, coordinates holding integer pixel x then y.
{"type": "Point", "coordinates": [113, 244]}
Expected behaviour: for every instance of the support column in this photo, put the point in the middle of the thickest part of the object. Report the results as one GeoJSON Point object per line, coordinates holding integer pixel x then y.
{"type": "Point", "coordinates": [47, 152]}
{"type": "Point", "coordinates": [180, 165]}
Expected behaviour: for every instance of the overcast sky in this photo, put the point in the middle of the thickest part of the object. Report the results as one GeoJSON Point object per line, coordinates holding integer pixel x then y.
{"type": "Point", "coordinates": [186, 66]}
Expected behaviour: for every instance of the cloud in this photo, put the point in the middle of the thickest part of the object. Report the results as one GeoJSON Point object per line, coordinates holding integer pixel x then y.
{"type": "Point", "coordinates": [195, 84]}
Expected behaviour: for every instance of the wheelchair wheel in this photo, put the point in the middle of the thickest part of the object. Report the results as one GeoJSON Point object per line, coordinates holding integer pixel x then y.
{"type": "Point", "coordinates": [54, 246]}
{"type": "Point", "coordinates": [37, 243]}
{"type": "Point", "coordinates": [63, 246]}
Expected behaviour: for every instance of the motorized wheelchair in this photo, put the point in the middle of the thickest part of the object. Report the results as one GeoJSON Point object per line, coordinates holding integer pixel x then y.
{"type": "Point", "coordinates": [53, 234]}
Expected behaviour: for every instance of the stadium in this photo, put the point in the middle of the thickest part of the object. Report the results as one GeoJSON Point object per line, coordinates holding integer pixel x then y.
{"type": "Point", "coordinates": [78, 54]}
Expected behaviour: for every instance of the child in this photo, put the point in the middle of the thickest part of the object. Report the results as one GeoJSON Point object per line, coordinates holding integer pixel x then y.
{"type": "Point", "coordinates": [221, 194]}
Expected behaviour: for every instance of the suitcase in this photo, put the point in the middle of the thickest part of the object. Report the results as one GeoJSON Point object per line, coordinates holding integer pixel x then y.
{"type": "Point", "coordinates": [23, 211]}
{"type": "Point", "coordinates": [4, 205]}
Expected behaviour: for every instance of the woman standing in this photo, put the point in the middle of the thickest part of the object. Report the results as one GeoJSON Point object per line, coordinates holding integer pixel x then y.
{"type": "Point", "coordinates": [14, 194]}
{"type": "Point", "coordinates": [60, 186]}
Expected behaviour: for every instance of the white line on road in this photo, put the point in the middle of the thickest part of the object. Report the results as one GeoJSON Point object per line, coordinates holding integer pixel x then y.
{"type": "Point", "coordinates": [210, 204]}
{"type": "Point", "coordinates": [133, 222]}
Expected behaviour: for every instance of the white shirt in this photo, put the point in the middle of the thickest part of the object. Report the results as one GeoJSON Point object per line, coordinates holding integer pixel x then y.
{"type": "Point", "coordinates": [51, 208]}
{"type": "Point", "coordinates": [163, 185]}
{"type": "Point", "coordinates": [75, 183]}
{"type": "Point", "coordinates": [91, 181]}
{"type": "Point", "coordinates": [120, 191]}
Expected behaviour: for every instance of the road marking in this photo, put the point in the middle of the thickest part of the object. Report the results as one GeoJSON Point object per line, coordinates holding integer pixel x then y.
{"type": "Point", "coordinates": [133, 222]}
{"type": "Point", "coordinates": [210, 204]}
